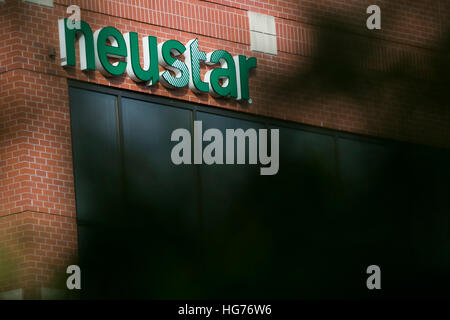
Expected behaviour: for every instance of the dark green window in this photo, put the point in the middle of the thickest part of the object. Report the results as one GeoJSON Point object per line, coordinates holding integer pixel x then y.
{"type": "Point", "coordinates": [339, 203]}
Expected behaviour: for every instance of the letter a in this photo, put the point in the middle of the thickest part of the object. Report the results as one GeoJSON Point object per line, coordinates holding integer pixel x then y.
{"type": "Point", "coordinates": [183, 147]}
{"type": "Point", "coordinates": [374, 21]}
{"type": "Point", "coordinates": [73, 281]}
{"type": "Point", "coordinates": [374, 281]}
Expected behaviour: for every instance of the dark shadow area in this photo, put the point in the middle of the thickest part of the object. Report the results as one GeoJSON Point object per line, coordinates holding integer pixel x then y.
{"type": "Point", "coordinates": [375, 72]}
{"type": "Point", "coordinates": [151, 229]}
{"type": "Point", "coordinates": [339, 203]}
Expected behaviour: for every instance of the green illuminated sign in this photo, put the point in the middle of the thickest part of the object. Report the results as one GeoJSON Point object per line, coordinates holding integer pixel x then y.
{"type": "Point", "coordinates": [228, 79]}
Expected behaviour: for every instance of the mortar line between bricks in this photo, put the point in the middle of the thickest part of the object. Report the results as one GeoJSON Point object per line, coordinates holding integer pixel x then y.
{"type": "Point", "coordinates": [33, 211]}
{"type": "Point", "coordinates": [440, 18]}
{"type": "Point", "coordinates": [180, 30]}
{"type": "Point", "coordinates": [236, 8]}
{"type": "Point", "coordinates": [35, 71]}
{"type": "Point", "coordinates": [91, 81]}
{"type": "Point", "coordinates": [316, 26]}
{"type": "Point", "coordinates": [157, 25]}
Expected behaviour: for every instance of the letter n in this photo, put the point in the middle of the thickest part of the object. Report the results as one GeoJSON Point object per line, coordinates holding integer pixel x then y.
{"type": "Point", "coordinates": [67, 39]}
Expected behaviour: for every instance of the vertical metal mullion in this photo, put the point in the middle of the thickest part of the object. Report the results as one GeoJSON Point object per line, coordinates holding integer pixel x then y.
{"type": "Point", "coordinates": [123, 184]}
{"type": "Point", "coordinates": [200, 214]}
{"type": "Point", "coordinates": [337, 171]}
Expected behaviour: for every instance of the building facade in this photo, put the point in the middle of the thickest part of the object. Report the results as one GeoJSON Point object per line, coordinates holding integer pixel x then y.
{"type": "Point", "coordinates": [320, 71]}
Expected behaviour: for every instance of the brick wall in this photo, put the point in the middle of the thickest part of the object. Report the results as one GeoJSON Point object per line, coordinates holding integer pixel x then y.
{"type": "Point", "coordinates": [37, 206]}
{"type": "Point", "coordinates": [34, 248]}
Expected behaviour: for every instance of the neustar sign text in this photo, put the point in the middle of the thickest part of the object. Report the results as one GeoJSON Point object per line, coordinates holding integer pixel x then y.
{"type": "Point", "coordinates": [228, 80]}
